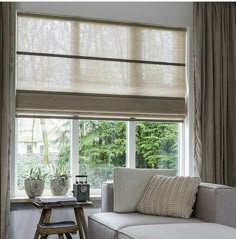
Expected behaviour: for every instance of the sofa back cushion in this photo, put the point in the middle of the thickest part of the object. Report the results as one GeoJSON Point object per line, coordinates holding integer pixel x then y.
{"type": "Point", "coordinates": [131, 184]}
{"type": "Point", "coordinates": [170, 196]}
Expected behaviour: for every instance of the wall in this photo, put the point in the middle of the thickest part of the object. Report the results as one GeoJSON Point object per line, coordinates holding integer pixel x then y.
{"type": "Point", "coordinates": [158, 13]}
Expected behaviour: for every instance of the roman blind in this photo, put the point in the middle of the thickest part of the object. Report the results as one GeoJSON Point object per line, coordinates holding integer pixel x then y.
{"type": "Point", "coordinates": [87, 67]}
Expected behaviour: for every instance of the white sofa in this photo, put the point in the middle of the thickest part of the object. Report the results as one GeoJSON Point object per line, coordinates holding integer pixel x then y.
{"type": "Point", "coordinates": [214, 213]}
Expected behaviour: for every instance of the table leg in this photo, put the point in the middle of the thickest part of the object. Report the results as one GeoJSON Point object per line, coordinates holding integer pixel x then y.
{"type": "Point", "coordinates": [45, 217]}
{"type": "Point", "coordinates": [68, 236]}
{"type": "Point", "coordinates": [79, 224]}
{"type": "Point", "coordinates": [83, 221]}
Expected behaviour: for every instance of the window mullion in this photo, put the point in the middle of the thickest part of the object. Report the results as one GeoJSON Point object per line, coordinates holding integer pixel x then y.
{"type": "Point", "coordinates": [74, 150]}
{"type": "Point", "coordinates": [181, 150]}
{"type": "Point", "coordinates": [130, 145]}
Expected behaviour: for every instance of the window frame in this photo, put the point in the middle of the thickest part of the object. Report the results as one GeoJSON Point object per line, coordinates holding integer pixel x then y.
{"type": "Point", "coordinates": [74, 155]}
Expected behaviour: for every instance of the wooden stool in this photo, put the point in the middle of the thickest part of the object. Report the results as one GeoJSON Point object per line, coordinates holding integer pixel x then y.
{"type": "Point", "coordinates": [60, 228]}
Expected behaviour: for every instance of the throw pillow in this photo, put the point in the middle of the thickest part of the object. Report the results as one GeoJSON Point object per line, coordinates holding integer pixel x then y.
{"type": "Point", "coordinates": [170, 196]}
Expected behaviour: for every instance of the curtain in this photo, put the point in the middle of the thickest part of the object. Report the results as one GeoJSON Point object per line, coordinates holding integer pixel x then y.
{"type": "Point", "coordinates": [6, 84]}
{"type": "Point", "coordinates": [215, 92]}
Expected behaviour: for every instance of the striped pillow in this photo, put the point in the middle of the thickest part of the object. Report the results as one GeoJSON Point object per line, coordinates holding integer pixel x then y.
{"type": "Point", "coordinates": [170, 196]}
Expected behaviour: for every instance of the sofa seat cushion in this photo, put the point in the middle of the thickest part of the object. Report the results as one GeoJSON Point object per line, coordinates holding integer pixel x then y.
{"type": "Point", "coordinates": [178, 231]}
{"type": "Point", "coordinates": [106, 225]}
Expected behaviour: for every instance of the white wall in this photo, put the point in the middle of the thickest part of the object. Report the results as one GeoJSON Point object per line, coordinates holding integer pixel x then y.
{"type": "Point", "coordinates": [157, 13]}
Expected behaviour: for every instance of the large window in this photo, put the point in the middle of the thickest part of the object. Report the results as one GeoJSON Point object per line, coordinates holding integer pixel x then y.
{"type": "Point", "coordinates": [101, 145]}
{"type": "Point", "coordinates": [92, 95]}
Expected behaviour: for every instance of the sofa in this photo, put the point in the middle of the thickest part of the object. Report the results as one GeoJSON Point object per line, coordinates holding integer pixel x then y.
{"type": "Point", "coordinates": [214, 211]}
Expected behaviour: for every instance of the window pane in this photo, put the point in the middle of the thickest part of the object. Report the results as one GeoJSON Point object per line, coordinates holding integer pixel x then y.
{"type": "Point", "coordinates": [156, 145]}
{"type": "Point", "coordinates": [42, 143]}
{"type": "Point", "coordinates": [102, 146]}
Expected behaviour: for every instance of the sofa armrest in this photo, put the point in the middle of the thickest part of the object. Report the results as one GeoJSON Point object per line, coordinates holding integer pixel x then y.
{"type": "Point", "coordinates": [216, 203]}
{"type": "Point", "coordinates": [107, 196]}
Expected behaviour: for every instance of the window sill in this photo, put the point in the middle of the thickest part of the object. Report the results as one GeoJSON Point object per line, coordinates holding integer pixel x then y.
{"type": "Point", "coordinates": [93, 198]}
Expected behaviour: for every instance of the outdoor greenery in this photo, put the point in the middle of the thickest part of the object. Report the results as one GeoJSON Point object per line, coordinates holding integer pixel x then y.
{"type": "Point", "coordinates": [102, 146]}
{"type": "Point", "coordinates": [156, 145]}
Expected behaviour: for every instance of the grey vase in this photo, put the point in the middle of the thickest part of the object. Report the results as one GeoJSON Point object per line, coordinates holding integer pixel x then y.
{"type": "Point", "coordinates": [34, 187]}
{"type": "Point", "coordinates": [59, 186]}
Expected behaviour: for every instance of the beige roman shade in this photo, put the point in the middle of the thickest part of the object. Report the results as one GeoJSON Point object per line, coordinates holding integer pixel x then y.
{"type": "Point", "coordinates": [86, 67]}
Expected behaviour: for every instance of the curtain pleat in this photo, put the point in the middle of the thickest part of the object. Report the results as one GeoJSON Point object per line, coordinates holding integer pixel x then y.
{"type": "Point", "coordinates": [215, 90]}
{"type": "Point", "coordinates": [6, 84]}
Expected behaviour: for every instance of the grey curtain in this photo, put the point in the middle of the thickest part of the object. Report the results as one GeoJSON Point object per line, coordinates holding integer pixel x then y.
{"type": "Point", "coordinates": [6, 96]}
{"type": "Point", "coordinates": [215, 92]}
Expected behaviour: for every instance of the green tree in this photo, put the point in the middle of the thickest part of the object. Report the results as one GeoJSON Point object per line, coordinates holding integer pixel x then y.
{"type": "Point", "coordinates": [63, 141]}
{"type": "Point", "coordinates": [156, 145]}
{"type": "Point", "coordinates": [45, 141]}
{"type": "Point", "coordinates": [102, 147]}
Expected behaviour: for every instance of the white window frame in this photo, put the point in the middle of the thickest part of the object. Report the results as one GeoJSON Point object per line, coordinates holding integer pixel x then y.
{"type": "Point", "coordinates": [74, 151]}
{"type": "Point", "coordinates": [130, 144]}
{"type": "Point", "coordinates": [74, 155]}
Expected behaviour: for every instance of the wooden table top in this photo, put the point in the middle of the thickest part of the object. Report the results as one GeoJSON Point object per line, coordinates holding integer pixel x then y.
{"type": "Point", "coordinates": [50, 205]}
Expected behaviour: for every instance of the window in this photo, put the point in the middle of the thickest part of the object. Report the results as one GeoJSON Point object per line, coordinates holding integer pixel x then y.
{"type": "Point", "coordinates": [47, 141]}
{"type": "Point", "coordinates": [101, 145]}
{"type": "Point", "coordinates": [41, 149]}
{"type": "Point", "coordinates": [93, 95]}
{"type": "Point", "coordinates": [29, 149]}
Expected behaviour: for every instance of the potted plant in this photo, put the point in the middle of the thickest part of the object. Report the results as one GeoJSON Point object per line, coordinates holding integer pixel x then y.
{"type": "Point", "coordinates": [59, 182]}
{"type": "Point", "coordinates": [34, 182]}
